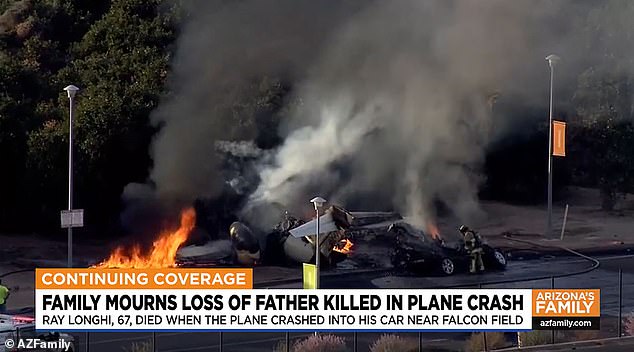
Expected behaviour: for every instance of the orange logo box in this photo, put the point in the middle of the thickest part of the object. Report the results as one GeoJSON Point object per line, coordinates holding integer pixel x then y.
{"type": "Point", "coordinates": [172, 278]}
{"type": "Point", "coordinates": [567, 303]}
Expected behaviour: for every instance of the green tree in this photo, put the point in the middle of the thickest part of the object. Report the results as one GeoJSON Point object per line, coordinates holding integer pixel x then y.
{"type": "Point", "coordinates": [121, 65]}
{"type": "Point", "coordinates": [118, 53]}
{"type": "Point", "coordinates": [603, 134]}
{"type": "Point", "coordinates": [35, 39]}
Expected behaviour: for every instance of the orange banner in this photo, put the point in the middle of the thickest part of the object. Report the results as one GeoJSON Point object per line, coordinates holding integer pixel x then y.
{"type": "Point", "coordinates": [567, 303]}
{"type": "Point", "coordinates": [559, 138]}
{"type": "Point", "coordinates": [172, 278]}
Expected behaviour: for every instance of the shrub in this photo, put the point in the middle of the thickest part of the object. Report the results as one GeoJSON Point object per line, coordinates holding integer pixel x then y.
{"type": "Point", "coordinates": [495, 340]}
{"type": "Point", "coordinates": [139, 347]}
{"type": "Point", "coordinates": [280, 347]}
{"type": "Point", "coordinates": [394, 343]}
{"type": "Point", "coordinates": [535, 337]}
{"type": "Point", "coordinates": [320, 343]}
{"type": "Point", "coordinates": [628, 324]}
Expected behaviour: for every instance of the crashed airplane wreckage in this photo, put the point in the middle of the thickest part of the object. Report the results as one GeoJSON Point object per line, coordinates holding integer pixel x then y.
{"type": "Point", "coordinates": [292, 241]}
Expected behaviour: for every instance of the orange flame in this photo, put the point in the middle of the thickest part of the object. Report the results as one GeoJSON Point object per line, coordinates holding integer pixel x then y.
{"type": "Point", "coordinates": [163, 251]}
{"type": "Point", "coordinates": [432, 230]}
{"type": "Point", "coordinates": [347, 246]}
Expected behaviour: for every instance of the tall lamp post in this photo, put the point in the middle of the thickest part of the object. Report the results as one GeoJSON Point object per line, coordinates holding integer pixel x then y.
{"type": "Point", "coordinates": [552, 61]}
{"type": "Point", "coordinates": [71, 90]}
{"type": "Point", "coordinates": [318, 202]}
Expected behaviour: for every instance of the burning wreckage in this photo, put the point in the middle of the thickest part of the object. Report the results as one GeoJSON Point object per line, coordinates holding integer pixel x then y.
{"type": "Point", "coordinates": [343, 235]}
{"type": "Point", "coordinates": [292, 241]}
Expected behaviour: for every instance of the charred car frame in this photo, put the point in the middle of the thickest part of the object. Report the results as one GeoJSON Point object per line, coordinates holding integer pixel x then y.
{"type": "Point", "coordinates": [417, 252]}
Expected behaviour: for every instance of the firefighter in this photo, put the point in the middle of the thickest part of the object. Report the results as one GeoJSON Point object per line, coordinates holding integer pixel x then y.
{"type": "Point", "coordinates": [4, 294]}
{"type": "Point", "coordinates": [473, 245]}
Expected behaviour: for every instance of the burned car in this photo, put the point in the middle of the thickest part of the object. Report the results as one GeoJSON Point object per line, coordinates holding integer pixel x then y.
{"type": "Point", "coordinates": [415, 251]}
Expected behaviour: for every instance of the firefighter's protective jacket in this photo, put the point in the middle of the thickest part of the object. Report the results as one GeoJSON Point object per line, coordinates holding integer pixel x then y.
{"type": "Point", "coordinates": [471, 241]}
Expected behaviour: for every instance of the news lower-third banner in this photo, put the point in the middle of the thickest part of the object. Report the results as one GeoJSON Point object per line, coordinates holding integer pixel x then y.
{"type": "Point", "coordinates": [224, 300]}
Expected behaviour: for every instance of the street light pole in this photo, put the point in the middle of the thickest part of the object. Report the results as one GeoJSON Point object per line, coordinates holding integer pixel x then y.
{"type": "Point", "coordinates": [71, 90]}
{"type": "Point", "coordinates": [318, 202]}
{"type": "Point", "coordinates": [317, 247]}
{"type": "Point", "coordinates": [552, 60]}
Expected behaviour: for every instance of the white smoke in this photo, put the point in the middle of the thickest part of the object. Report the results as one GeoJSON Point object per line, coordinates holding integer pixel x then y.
{"type": "Point", "coordinates": [402, 96]}
{"type": "Point", "coordinates": [309, 150]}
{"type": "Point", "coordinates": [391, 103]}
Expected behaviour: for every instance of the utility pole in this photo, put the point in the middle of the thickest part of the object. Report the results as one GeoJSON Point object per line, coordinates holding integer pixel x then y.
{"type": "Point", "coordinates": [318, 202]}
{"type": "Point", "coordinates": [552, 60]}
{"type": "Point", "coordinates": [71, 90]}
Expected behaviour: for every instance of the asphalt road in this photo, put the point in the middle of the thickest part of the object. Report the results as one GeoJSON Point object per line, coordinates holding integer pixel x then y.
{"type": "Point", "coordinates": [605, 278]}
